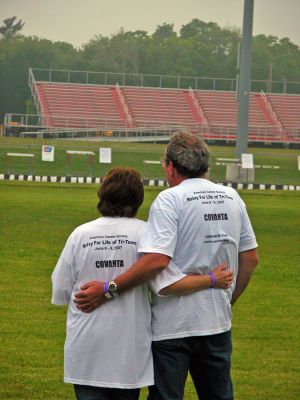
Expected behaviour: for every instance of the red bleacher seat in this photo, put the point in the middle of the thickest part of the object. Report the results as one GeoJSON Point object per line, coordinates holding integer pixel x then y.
{"type": "Point", "coordinates": [213, 113]}
{"type": "Point", "coordinates": [76, 105]}
{"type": "Point", "coordinates": [287, 108]}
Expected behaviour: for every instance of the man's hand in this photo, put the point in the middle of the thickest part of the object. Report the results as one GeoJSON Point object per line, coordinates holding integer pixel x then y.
{"type": "Point", "coordinates": [223, 275]}
{"type": "Point", "coordinates": [90, 297]}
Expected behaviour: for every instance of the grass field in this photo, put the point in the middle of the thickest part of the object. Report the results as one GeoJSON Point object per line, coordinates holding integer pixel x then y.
{"type": "Point", "coordinates": [35, 222]}
{"type": "Point", "coordinates": [133, 154]}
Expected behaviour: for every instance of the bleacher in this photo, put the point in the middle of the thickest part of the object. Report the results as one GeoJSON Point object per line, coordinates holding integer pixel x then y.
{"type": "Point", "coordinates": [272, 117]}
{"type": "Point", "coordinates": [153, 107]}
{"type": "Point", "coordinates": [221, 111]}
{"type": "Point", "coordinates": [287, 109]}
{"type": "Point", "coordinates": [261, 125]}
{"type": "Point", "coordinates": [77, 106]}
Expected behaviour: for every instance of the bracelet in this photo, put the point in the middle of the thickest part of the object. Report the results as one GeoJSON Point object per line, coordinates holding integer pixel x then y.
{"type": "Point", "coordinates": [106, 291]}
{"type": "Point", "coordinates": [213, 279]}
{"type": "Point", "coordinates": [105, 287]}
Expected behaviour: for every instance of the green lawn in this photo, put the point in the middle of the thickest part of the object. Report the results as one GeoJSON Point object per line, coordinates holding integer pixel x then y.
{"type": "Point", "coordinates": [133, 154]}
{"type": "Point", "coordinates": [35, 222]}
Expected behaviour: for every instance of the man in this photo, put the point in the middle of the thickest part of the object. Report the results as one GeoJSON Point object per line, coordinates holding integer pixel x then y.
{"type": "Point", "coordinates": [196, 224]}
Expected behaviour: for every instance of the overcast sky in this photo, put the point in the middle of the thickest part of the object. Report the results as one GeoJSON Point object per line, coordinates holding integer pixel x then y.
{"type": "Point", "coordinates": [78, 21]}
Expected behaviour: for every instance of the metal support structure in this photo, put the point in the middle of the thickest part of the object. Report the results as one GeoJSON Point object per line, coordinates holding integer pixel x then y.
{"type": "Point", "coordinates": [244, 84]}
{"type": "Point", "coordinates": [111, 78]}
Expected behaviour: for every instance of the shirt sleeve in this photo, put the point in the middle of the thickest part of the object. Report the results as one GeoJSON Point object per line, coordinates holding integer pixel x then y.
{"type": "Point", "coordinates": [160, 233]}
{"type": "Point", "coordinates": [63, 278]}
{"type": "Point", "coordinates": [169, 275]}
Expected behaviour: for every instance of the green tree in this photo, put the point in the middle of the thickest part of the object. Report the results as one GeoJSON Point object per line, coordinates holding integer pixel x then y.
{"type": "Point", "coordinates": [17, 56]}
{"type": "Point", "coordinates": [122, 52]}
{"type": "Point", "coordinates": [11, 28]}
{"type": "Point", "coordinates": [276, 59]}
{"type": "Point", "coordinates": [213, 50]}
{"type": "Point", "coordinates": [165, 31]}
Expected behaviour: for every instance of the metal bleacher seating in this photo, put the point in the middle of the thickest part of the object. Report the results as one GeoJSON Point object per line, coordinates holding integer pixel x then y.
{"type": "Point", "coordinates": [272, 117]}
{"type": "Point", "coordinates": [287, 108]}
{"type": "Point", "coordinates": [152, 107]}
{"type": "Point", "coordinates": [77, 106]}
{"type": "Point", "coordinates": [221, 111]}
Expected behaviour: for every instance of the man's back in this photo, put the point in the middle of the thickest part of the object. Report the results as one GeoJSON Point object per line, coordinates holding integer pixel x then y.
{"type": "Point", "coordinates": [199, 224]}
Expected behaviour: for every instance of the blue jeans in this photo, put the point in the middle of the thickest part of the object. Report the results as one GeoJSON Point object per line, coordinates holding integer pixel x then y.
{"type": "Point", "coordinates": [207, 358]}
{"type": "Point", "coordinates": [99, 393]}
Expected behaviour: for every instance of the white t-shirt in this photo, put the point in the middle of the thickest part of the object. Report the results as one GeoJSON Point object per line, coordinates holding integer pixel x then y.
{"type": "Point", "coordinates": [110, 347]}
{"type": "Point", "coordinates": [199, 225]}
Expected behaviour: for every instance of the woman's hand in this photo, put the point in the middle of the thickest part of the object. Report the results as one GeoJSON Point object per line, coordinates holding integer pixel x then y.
{"type": "Point", "coordinates": [223, 276]}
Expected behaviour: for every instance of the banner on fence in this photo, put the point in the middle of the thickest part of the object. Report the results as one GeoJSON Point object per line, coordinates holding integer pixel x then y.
{"type": "Point", "coordinates": [105, 155]}
{"type": "Point", "coordinates": [48, 153]}
{"type": "Point", "coordinates": [247, 161]}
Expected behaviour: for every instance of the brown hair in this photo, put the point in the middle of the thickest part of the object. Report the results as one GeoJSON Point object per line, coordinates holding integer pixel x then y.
{"type": "Point", "coordinates": [121, 193]}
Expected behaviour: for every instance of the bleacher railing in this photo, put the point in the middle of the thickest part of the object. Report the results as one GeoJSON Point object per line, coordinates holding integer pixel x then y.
{"type": "Point", "coordinates": [159, 81]}
{"type": "Point", "coordinates": [47, 121]}
{"type": "Point", "coordinates": [271, 110]}
{"type": "Point", "coordinates": [40, 126]}
{"type": "Point", "coordinates": [35, 95]}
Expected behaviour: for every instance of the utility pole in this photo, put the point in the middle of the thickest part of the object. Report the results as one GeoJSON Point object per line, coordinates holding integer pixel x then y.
{"type": "Point", "coordinates": [244, 80]}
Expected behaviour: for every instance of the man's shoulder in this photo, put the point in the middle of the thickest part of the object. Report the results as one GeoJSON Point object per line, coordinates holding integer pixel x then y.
{"type": "Point", "coordinates": [169, 195]}
{"type": "Point", "coordinates": [228, 190]}
{"type": "Point", "coordinates": [166, 193]}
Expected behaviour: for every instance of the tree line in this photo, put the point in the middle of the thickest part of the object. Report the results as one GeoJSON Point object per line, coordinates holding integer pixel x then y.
{"type": "Point", "coordinates": [202, 49]}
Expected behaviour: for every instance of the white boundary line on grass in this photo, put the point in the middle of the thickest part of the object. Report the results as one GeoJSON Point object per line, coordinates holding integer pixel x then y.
{"type": "Point", "coordinates": [147, 182]}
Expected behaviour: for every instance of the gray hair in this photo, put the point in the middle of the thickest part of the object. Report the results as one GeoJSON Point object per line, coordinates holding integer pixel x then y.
{"type": "Point", "coordinates": [188, 153]}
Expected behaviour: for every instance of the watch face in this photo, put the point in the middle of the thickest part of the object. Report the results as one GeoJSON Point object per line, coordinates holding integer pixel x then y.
{"type": "Point", "coordinates": [112, 287]}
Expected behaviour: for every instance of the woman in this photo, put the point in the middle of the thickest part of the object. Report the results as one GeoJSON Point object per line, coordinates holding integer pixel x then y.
{"type": "Point", "coordinates": [107, 352]}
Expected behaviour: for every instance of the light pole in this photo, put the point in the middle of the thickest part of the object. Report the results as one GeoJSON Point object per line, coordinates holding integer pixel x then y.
{"type": "Point", "coordinates": [244, 79]}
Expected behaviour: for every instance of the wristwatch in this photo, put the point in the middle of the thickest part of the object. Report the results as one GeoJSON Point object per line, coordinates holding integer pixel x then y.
{"type": "Point", "coordinates": [113, 289]}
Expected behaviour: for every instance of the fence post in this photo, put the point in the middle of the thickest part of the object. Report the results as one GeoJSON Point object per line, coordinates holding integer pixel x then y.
{"type": "Point", "coordinates": [284, 86]}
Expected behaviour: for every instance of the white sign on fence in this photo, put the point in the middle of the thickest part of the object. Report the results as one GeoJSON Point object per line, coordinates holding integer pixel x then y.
{"type": "Point", "coordinates": [247, 161]}
{"type": "Point", "coordinates": [105, 155]}
{"type": "Point", "coordinates": [48, 153]}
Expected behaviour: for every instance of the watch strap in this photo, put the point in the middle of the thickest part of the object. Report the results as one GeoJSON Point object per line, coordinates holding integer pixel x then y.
{"type": "Point", "coordinates": [107, 294]}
